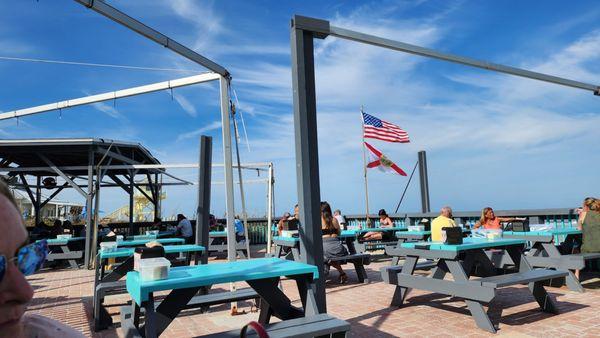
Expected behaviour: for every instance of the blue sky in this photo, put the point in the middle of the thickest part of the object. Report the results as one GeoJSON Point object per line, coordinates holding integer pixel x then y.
{"type": "Point", "coordinates": [491, 139]}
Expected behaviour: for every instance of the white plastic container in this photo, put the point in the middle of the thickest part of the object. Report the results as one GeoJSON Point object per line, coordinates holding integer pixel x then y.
{"type": "Point", "coordinates": [154, 268]}
{"type": "Point", "coordinates": [108, 246]}
{"type": "Point", "coordinates": [288, 233]}
{"type": "Point", "coordinates": [120, 238]}
{"type": "Point", "coordinates": [493, 234]}
{"type": "Point", "coordinates": [416, 228]}
{"type": "Point", "coordinates": [151, 232]}
{"type": "Point", "coordinates": [66, 236]}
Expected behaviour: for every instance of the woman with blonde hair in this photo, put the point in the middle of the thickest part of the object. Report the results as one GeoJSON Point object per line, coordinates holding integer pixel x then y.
{"type": "Point", "coordinates": [489, 220]}
{"type": "Point", "coordinates": [589, 224]}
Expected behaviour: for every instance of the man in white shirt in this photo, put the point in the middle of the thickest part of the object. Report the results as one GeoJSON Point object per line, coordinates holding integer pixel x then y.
{"type": "Point", "coordinates": [340, 218]}
{"type": "Point", "coordinates": [184, 227]}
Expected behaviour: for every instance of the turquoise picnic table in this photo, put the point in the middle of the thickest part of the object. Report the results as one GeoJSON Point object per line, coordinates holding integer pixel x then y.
{"type": "Point", "coordinates": [544, 252]}
{"type": "Point", "coordinates": [262, 274]}
{"type": "Point", "coordinates": [363, 246]}
{"type": "Point", "coordinates": [217, 242]}
{"type": "Point", "coordinates": [458, 260]}
{"type": "Point", "coordinates": [112, 281]}
{"type": "Point", "coordinates": [65, 249]}
{"type": "Point", "coordinates": [288, 247]}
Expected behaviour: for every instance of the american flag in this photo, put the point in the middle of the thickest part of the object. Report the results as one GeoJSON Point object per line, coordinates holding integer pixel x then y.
{"type": "Point", "coordinates": [381, 130]}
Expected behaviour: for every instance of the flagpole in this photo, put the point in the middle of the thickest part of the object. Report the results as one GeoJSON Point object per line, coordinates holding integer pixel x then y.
{"type": "Point", "coordinates": [365, 167]}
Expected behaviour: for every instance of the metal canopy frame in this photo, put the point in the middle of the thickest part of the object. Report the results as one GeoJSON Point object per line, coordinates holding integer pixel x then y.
{"type": "Point", "coordinates": [224, 78]}
{"type": "Point", "coordinates": [303, 31]}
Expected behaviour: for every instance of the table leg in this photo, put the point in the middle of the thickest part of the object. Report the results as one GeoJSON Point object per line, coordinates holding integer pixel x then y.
{"type": "Point", "coordinates": [273, 300]}
{"type": "Point", "coordinates": [571, 281]}
{"type": "Point", "coordinates": [296, 253]}
{"type": "Point", "coordinates": [72, 263]}
{"type": "Point", "coordinates": [396, 259]}
{"type": "Point", "coordinates": [542, 298]}
{"type": "Point", "coordinates": [477, 311]}
{"type": "Point", "coordinates": [150, 323]}
{"type": "Point", "coordinates": [400, 292]}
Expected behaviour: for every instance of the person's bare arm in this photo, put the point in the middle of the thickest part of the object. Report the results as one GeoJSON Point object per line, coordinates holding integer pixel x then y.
{"type": "Point", "coordinates": [477, 225]}
{"type": "Point", "coordinates": [580, 220]}
{"type": "Point", "coordinates": [336, 225]}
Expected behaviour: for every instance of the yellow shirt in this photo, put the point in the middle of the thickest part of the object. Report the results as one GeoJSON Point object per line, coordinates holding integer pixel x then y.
{"type": "Point", "coordinates": [436, 227]}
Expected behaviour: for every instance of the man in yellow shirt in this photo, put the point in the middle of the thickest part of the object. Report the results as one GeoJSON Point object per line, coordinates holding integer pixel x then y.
{"type": "Point", "coordinates": [442, 221]}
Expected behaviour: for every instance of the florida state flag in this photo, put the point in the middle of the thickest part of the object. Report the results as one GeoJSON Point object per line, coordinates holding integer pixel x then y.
{"type": "Point", "coordinates": [379, 161]}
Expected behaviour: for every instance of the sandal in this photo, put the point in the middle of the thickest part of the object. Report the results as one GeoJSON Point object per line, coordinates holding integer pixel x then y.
{"type": "Point", "coordinates": [343, 278]}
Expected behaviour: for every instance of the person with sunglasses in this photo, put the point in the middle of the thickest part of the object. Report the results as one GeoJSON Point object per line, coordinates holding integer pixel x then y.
{"type": "Point", "coordinates": [17, 260]}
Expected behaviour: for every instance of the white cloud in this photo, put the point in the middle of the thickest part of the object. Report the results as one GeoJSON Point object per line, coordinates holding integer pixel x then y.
{"type": "Point", "coordinates": [186, 105]}
{"type": "Point", "coordinates": [107, 109]}
{"type": "Point", "coordinates": [210, 127]}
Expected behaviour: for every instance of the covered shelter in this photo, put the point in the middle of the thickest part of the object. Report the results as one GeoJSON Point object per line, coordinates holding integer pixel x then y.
{"type": "Point", "coordinates": [83, 164]}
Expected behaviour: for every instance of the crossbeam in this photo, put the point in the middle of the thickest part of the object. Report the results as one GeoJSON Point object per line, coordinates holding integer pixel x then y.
{"type": "Point", "coordinates": [154, 87]}
{"type": "Point", "coordinates": [150, 33]}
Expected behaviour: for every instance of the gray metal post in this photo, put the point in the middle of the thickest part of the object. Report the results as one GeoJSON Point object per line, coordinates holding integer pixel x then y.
{"type": "Point", "coordinates": [88, 260]}
{"type": "Point", "coordinates": [307, 155]}
{"type": "Point", "coordinates": [132, 231]}
{"type": "Point", "coordinates": [204, 180]}
{"type": "Point", "coordinates": [157, 189]}
{"type": "Point", "coordinates": [425, 206]}
{"type": "Point", "coordinates": [38, 199]}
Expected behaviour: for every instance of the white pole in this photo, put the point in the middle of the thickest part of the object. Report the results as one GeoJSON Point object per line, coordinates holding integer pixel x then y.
{"type": "Point", "coordinates": [365, 169]}
{"type": "Point", "coordinates": [186, 81]}
{"type": "Point", "coordinates": [227, 160]}
{"type": "Point", "coordinates": [270, 208]}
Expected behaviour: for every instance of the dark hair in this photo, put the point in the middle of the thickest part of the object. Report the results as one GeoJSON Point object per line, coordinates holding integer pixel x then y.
{"type": "Point", "coordinates": [382, 212]}
{"type": "Point", "coordinates": [57, 223]}
{"type": "Point", "coordinates": [327, 215]}
{"type": "Point", "coordinates": [180, 217]}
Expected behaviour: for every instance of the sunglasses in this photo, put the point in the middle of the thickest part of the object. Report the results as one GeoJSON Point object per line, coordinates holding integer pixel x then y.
{"type": "Point", "coordinates": [29, 259]}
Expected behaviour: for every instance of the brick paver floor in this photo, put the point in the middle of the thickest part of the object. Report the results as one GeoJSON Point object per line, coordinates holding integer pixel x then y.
{"type": "Point", "coordinates": [66, 295]}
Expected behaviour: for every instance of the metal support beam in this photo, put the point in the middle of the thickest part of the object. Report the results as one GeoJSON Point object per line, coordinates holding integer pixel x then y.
{"type": "Point", "coordinates": [203, 209]}
{"type": "Point", "coordinates": [38, 197]}
{"type": "Point", "coordinates": [65, 177]}
{"type": "Point", "coordinates": [307, 153]}
{"type": "Point", "coordinates": [270, 208]}
{"type": "Point", "coordinates": [138, 27]}
{"type": "Point", "coordinates": [88, 258]}
{"type": "Point", "coordinates": [412, 49]}
{"type": "Point", "coordinates": [227, 160]}
{"type": "Point", "coordinates": [186, 81]}
{"type": "Point", "coordinates": [425, 206]}
{"type": "Point", "coordinates": [54, 193]}
{"type": "Point", "coordinates": [131, 193]}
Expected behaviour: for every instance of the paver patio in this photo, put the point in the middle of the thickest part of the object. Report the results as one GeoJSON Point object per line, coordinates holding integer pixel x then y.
{"type": "Point", "coordinates": [66, 295]}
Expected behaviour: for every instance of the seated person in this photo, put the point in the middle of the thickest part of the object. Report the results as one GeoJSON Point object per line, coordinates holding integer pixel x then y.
{"type": "Point", "coordinates": [184, 227]}
{"type": "Point", "coordinates": [340, 218]}
{"type": "Point", "coordinates": [282, 222]}
{"type": "Point", "coordinates": [212, 223]}
{"type": "Point", "coordinates": [589, 220]}
{"type": "Point", "coordinates": [332, 246]}
{"type": "Point", "coordinates": [384, 222]}
{"type": "Point", "coordinates": [157, 224]}
{"type": "Point", "coordinates": [442, 221]}
{"type": "Point", "coordinates": [240, 234]}
{"type": "Point", "coordinates": [17, 259]}
{"type": "Point", "coordinates": [489, 220]}
{"type": "Point", "coordinates": [57, 228]}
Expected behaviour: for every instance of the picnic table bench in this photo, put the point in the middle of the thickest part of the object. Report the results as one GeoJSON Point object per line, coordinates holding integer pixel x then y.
{"type": "Point", "coordinates": [544, 253]}
{"type": "Point", "coordinates": [69, 249]}
{"type": "Point", "coordinates": [289, 248]}
{"type": "Point", "coordinates": [261, 274]}
{"type": "Point", "coordinates": [321, 325]}
{"type": "Point", "coordinates": [112, 282]}
{"type": "Point", "coordinates": [458, 261]}
{"type": "Point", "coordinates": [364, 246]}
{"type": "Point", "coordinates": [217, 242]}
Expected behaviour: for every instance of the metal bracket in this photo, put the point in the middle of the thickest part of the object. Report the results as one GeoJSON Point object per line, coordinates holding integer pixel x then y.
{"type": "Point", "coordinates": [319, 28]}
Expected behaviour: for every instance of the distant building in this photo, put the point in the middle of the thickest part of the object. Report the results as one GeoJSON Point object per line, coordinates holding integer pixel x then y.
{"type": "Point", "coordinates": [55, 209]}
